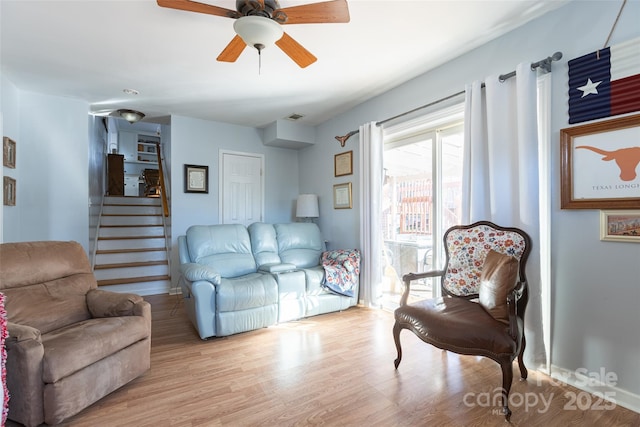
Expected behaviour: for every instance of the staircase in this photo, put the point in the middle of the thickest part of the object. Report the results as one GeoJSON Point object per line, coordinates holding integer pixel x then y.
{"type": "Point", "coordinates": [131, 251]}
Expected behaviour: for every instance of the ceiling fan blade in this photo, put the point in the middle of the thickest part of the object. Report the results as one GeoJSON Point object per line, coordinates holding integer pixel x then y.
{"type": "Point", "coordinates": [295, 51]}
{"type": "Point", "coordinates": [336, 11]}
{"type": "Point", "coordinates": [194, 6]}
{"type": "Point", "coordinates": [233, 50]}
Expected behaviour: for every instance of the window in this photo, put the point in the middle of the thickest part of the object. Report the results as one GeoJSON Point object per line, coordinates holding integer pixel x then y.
{"type": "Point", "coordinates": [421, 197]}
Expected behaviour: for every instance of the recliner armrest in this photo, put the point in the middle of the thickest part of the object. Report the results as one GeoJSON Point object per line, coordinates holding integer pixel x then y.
{"type": "Point", "coordinates": [25, 362]}
{"type": "Point", "coordinates": [20, 333]}
{"type": "Point", "coordinates": [194, 272]}
{"type": "Point", "coordinates": [112, 304]}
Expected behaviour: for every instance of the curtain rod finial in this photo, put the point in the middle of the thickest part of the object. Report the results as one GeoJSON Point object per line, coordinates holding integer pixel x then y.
{"type": "Point", "coordinates": [343, 139]}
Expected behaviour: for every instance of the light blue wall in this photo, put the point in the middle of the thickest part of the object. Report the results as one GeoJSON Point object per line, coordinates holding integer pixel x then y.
{"type": "Point", "coordinates": [595, 285]}
{"type": "Point", "coordinates": [11, 129]}
{"type": "Point", "coordinates": [52, 199]}
{"type": "Point", "coordinates": [198, 142]}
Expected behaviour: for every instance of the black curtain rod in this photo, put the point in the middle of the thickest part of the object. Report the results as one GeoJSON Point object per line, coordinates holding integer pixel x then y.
{"type": "Point", "coordinates": [545, 64]}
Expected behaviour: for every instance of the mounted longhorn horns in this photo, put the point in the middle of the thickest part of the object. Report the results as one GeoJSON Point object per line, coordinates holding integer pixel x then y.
{"type": "Point", "coordinates": [343, 139]}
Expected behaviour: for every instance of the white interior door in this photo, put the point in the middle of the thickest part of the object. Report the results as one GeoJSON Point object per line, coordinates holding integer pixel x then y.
{"type": "Point", "coordinates": [242, 187]}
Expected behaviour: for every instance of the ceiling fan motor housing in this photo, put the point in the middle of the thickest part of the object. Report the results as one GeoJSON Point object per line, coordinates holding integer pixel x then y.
{"type": "Point", "coordinates": [266, 8]}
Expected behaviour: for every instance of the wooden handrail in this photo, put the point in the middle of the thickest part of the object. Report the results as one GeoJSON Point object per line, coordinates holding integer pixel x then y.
{"type": "Point", "coordinates": [163, 193]}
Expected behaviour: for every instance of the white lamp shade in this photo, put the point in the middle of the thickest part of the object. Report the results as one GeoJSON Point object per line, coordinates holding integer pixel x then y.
{"type": "Point", "coordinates": [258, 31]}
{"type": "Point", "coordinates": [307, 206]}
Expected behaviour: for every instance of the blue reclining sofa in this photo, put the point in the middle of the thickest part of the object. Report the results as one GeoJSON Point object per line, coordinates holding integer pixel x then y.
{"type": "Point", "coordinates": [236, 279]}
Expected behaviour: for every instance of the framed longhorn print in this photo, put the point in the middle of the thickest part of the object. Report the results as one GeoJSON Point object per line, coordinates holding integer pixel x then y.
{"type": "Point", "coordinates": [599, 165]}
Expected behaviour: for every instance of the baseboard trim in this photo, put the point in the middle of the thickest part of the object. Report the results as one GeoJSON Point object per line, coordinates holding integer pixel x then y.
{"type": "Point", "coordinates": [594, 383]}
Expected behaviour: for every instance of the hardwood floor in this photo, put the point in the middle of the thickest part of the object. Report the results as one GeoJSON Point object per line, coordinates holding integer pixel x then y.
{"type": "Point", "coordinates": [332, 370]}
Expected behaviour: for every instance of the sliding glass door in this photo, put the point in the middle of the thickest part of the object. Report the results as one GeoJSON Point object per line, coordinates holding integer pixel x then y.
{"type": "Point", "coordinates": [421, 199]}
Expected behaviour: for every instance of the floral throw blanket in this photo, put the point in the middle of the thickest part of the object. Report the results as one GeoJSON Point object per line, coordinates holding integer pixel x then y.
{"type": "Point", "coordinates": [342, 270]}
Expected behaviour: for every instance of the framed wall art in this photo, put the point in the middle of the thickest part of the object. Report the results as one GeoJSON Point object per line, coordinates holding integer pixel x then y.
{"type": "Point", "coordinates": [599, 163]}
{"type": "Point", "coordinates": [620, 226]}
{"type": "Point", "coordinates": [196, 179]}
{"type": "Point", "coordinates": [343, 163]}
{"type": "Point", "coordinates": [342, 196]}
{"type": "Point", "coordinates": [8, 152]}
{"type": "Point", "coordinates": [9, 198]}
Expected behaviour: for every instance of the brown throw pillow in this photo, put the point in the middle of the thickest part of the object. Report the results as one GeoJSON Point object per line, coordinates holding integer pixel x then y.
{"type": "Point", "coordinates": [498, 278]}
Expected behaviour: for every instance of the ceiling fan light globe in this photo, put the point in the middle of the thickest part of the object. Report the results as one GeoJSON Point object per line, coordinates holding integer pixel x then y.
{"type": "Point", "coordinates": [258, 31]}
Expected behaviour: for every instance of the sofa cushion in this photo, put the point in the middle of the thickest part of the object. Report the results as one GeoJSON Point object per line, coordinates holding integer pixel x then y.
{"type": "Point", "coordinates": [69, 349]}
{"type": "Point", "coordinates": [30, 263]}
{"type": "Point", "coordinates": [299, 243]}
{"type": "Point", "coordinates": [458, 324]}
{"type": "Point", "coordinates": [264, 243]}
{"type": "Point", "coordinates": [224, 247]}
{"type": "Point", "coordinates": [250, 291]}
{"type": "Point", "coordinates": [497, 280]}
{"type": "Point", "coordinates": [64, 298]}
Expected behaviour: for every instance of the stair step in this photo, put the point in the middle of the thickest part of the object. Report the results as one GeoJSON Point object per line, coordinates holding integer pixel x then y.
{"type": "Point", "coordinates": [129, 264]}
{"type": "Point", "coordinates": [130, 200]}
{"type": "Point", "coordinates": [118, 251]}
{"type": "Point", "coordinates": [130, 214]}
{"type": "Point", "coordinates": [127, 225]}
{"type": "Point", "coordinates": [125, 272]}
{"type": "Point", "coordinates": [118, 256]}
{"type": "Point", "coordinates": [128, 237]}
{"type": "Point", "coordinates": [134, 242]}
{"type": "Point", "coordinates": [131, 209]}
{"type": "Point", "coordinates": [132, 205]}
{"type": "Point", "coordinates": [131, 230]}
{"type": "Point", "coordinates": [142, 279]}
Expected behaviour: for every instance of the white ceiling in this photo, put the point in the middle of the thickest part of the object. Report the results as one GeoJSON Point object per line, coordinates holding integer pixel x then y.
{"type": "Point", "coordinates": [93, 49]}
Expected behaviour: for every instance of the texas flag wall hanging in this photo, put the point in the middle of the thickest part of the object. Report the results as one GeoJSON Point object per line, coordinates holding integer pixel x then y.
{"type": "Point", "coordinates": [605, 83]}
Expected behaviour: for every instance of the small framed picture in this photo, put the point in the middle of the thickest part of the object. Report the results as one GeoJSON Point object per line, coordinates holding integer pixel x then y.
{"type": "Point", "coordinates": [8, 152]}
{"type": "Point", "coordinates": [343, 163]}
{"type": "Point", "coordinates": [620, 226]}
{"type": "Point", "coordinates": [9, 191]}
{"type": "Point", "coordinates": [196, 179]}
{"type": "Point", "coordinates": [342, 196]}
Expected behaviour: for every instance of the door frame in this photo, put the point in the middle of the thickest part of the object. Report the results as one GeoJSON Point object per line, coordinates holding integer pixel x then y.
{"type": "Point", "coordinates": [221, 154]}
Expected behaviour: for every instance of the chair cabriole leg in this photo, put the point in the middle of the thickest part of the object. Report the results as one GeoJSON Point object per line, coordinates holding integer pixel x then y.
{"type": "Point", "coordinates": [507, 378]}
{"type": "Point", "coordinates": [523, 369]}
{"type": "Point", "coordinates": [396, 338]}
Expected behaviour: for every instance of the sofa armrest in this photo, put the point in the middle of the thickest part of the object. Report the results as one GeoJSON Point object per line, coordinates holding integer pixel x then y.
{"type": "Point", "coordinates": [113, 304]}
{"type": "Point", "coordinates": [194, 272]}
{"type": "Point", "coordinates": [277, 267]}
{"type": "Point", "coordinates": [25, 356]}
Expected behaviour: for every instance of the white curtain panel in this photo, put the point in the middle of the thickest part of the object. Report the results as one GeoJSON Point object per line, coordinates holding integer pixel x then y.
{"type": "Point", "coordinates": [501, 173]}
{"type": "Point", "coordinates": [500, 176]}
{"type": "Point", "coordinates": [371, 175]}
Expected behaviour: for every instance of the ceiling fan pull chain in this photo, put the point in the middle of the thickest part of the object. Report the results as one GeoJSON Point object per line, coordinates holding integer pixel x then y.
{"type": "Point", "coordinates": [259, 61]}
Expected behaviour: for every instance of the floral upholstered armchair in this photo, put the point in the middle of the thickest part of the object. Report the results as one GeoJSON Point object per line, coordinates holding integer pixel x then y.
{"type": "Point", "coordinates": [484, 296]}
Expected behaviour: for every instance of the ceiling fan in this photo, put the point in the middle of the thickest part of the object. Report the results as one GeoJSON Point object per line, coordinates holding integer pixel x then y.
{"type": "Point", "coordinates": [258, 24]}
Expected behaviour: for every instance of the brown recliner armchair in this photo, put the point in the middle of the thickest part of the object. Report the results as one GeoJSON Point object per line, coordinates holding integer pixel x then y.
{"type": "Point", "coordinates": [69, 343]}
{"type": "Point", "coordinates": [485, 294]}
